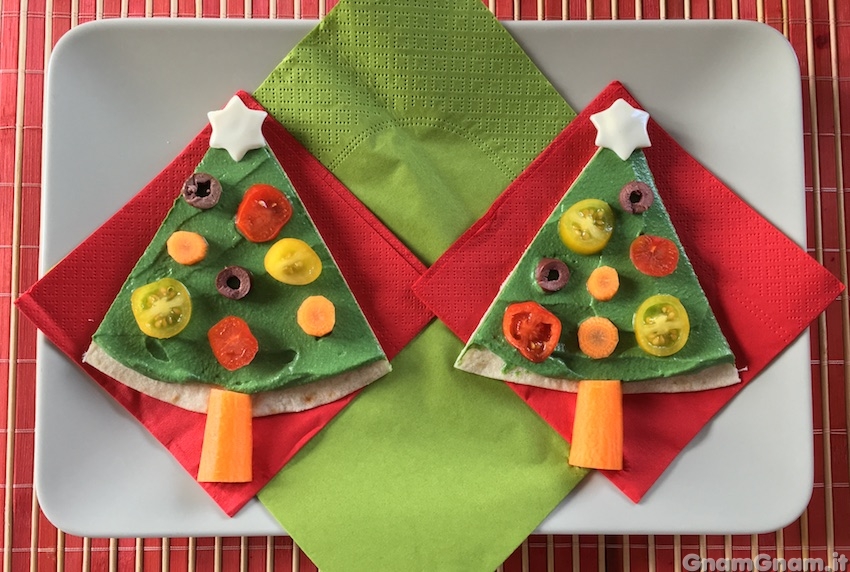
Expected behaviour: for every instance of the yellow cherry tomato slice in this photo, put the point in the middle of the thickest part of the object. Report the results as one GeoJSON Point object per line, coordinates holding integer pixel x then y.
{"type": "Point", "coordinates": [661, 325]}
{"type": "Point", "coordinates": [586, 227]}
{"type": "Point", "coordinates": [292, 261]}
{"type": "Point", "coordinates": [162, 309]}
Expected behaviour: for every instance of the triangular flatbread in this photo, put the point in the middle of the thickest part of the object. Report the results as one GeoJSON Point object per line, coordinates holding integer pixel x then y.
{"type": "Point", "coordinates": [292, 369]}
{"type": "Point", "coordinates": [704, 361]}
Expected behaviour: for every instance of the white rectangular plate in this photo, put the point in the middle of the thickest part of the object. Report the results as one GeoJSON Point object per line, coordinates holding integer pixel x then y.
{"type": "Point", "coordinates": [125, 96]}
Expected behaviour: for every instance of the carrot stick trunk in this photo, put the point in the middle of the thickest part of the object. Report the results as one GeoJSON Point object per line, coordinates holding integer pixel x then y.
{"type": "Point", "coordinates": [597, 441]}
{"type": "Point", "coordinates": [226, 450]}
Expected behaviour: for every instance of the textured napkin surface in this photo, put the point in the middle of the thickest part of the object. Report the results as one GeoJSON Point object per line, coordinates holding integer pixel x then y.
{"type": "Point", "coordinates": [426, 111]}
{"type": "Point", "coordinates": [739, 279]}
{"type": "Point", "coordinates": [415, 106]}
{"type": "Point", "coordinates": [383, 291]}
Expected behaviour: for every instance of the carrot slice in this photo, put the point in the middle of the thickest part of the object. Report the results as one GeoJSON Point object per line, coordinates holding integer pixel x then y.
{"type": "Point", "coordinates": [226, 450]}
{"type": "Point", "coordinates": [598, 337]}
{"type": "Point", "coordinates": [603, 283]}
{"type": "Point", "coordinates": [186, 247]}
{"type": "Point", "coordinates": [597, 441]}
{"type": "Point", "coordinates": [316, 316]}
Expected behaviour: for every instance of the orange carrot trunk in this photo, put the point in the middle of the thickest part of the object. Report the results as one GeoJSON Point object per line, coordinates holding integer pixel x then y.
{"type": "Point", "coordinates": [226, 450]}
{"type": "Point", "coordinates": [598, 425]}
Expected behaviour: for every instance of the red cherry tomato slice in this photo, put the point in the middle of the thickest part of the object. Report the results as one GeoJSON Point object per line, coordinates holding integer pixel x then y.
{"type": "Point", "coordinates": [531, 329]}
{"type": "Point", "coordinates": [264, 210]}
{"type": "Point", "coordinates": [232, 343]}
{"type": "Point", "coordinates": [654, 255]}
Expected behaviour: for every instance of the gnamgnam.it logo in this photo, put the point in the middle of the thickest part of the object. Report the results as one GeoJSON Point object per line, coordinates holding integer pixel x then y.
{"type": "Point", "coordinates": [764, 563]}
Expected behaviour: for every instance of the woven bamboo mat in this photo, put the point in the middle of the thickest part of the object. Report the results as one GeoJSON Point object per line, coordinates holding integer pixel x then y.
{"type": "Point", "coordinates": [820, 33]}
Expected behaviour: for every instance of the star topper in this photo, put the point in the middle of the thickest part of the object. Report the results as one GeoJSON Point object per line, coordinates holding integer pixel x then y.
{"type": "Point", "coordinates": [621, 128]}
{"type": "Point", "coordinates": [236, 128]}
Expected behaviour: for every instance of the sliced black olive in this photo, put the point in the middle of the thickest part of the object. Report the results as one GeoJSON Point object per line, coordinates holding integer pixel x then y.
{"type": "Point", "coordinates": [636, 197]}
{"type": "Point", "coordinates": [233, 282]}
{"type": "Point", "coordinates": [551, 274]}
{"type": "Point", "coordinates": [202, 191]}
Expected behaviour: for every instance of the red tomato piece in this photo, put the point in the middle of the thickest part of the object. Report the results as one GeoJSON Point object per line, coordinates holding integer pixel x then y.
{"type": "Point", "coordinates": [264, 210]}
{"type": "Point", "coordinates": [531, 329]}
{"type": "Point", "coordinates": [232, 343]}
{"type": "Point", "coordinates": [654, 255]}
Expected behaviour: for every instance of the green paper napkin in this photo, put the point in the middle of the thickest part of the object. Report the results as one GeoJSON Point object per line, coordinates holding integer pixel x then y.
{"type": "Point", "coordinates": [426, 110]}
{"type": "Point", "coordinates": [427, 470]}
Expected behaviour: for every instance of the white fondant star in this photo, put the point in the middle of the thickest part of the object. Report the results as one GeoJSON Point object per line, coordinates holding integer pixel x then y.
{"type": "Point", "coordinates": [621, 128]}
{"type": "Point", "coordinates": [237, 128]}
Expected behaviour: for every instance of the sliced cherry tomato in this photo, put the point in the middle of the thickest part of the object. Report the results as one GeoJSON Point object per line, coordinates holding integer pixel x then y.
{"type": "Point", "coordinates": [162, 309]}
{"type": "Point", "coordinates": [661, 325]}
{"type": "Point", "coordinates": [586, 227]}
{"type": "Point", "coordinates": [232, 343]}
{"type": "Point", "coordinates": [654, 255]}
{"type": "Point", "coordinates": [531, 329]}
{"type": "Point", "coordinates": [264, 210]}
{"type": "Point", "coordinates": [292, 261]}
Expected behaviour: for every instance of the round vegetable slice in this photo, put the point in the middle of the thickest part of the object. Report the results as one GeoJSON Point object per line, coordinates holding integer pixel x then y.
{"type": "Point", "coordinates": [202, 191]}
{"type": "Point", "coordinates": [292, 261]}
{"type": "Point", "coordinates": [661, 325]}
{"type": "Point", "coordinates": [531, 329]}
{"type": "Point", "coordinates": [586, 227]}
{"type": "Point", "coordinates": [232, 343]}
{"type": "Point", "coordinates": [654, 255]}
{"type": "Point", "coordinates": [551, 274]}
{"type": "Point", "coordinates": [603, 283]}
{"type": "Point", "coordinates": [317, 316]}
{"type": "Point", "coordinates": [598, 337]}
{"type": "Point", "coordinates": [263, 212]}
{"type": "Point", "coordinates": [186, 247]}
{"type": "Point", "coordinates": [162, 309]}
{"type": "Point", "coordinates": [636, 197]}
{"type": "Point", "coordinates": [233, 282]}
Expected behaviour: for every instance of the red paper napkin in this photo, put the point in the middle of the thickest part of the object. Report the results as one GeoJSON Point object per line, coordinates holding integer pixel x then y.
{"type": "Point", "coordinates": [741, 280]}
{"type": "Point", "coordinates": [353, 235]}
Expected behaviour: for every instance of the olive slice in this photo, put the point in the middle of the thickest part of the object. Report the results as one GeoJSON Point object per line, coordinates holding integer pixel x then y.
{"type": "Point", "coordinates": [233, 282]}
{"type": "Point", "coordinates": [636, 197]}
{"type": "Point", "coordinates": [551, 274]}
{"type": "Point", "coordinates": [202, 191]}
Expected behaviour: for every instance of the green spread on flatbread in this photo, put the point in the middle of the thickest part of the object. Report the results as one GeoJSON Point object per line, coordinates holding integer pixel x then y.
{"type": "Point", "coordinates": [603, 178]}
{"type": "Point", "coordinates": [287, 357]}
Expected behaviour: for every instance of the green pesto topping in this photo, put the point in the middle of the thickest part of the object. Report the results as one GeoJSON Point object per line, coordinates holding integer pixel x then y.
{"type": "Point", "coordinates": [602, 179]}
{"type": "Point", "coordinates": [287, 356]}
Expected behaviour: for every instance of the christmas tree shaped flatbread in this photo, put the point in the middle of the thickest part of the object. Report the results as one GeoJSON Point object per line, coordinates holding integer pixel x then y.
{"type": "Point", "coordinates": [238, 294]}
{"type": "Point", "coordinates": [605, 290]}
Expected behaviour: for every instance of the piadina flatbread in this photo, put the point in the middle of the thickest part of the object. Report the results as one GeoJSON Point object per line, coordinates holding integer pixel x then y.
{"type": "Point", "coordinates": [669, 338]}
{"type": "Point", "coordinates": [158, 335]}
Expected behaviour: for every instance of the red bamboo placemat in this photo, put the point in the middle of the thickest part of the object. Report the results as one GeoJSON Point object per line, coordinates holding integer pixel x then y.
{"type": "Point", "coordinates": [819, 31]}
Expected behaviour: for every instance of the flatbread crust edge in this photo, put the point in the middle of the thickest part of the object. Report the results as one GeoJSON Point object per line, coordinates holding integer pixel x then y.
{"type": "Point", "coordinates": [194, 396]}
{"type": "Point", "coordinates": [486, 363]}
